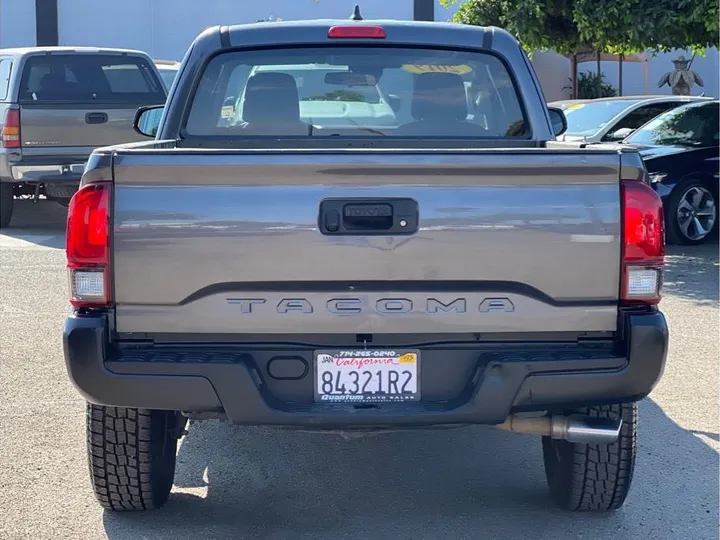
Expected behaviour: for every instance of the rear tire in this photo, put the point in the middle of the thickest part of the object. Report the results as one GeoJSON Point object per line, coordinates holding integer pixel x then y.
{"type": "Point", "coordinates": [131, 454]}
{"type": "Point", "coordinates": [591, 477]}
{"type": "Point", "coordinates": [7, 202]}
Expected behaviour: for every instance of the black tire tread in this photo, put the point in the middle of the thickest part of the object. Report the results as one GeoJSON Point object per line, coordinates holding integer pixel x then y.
{"type": "Point", "coordinates": [599, 476]}
{"type": "Point", "coordinates": [126, 471]}
{"type": "Point", "coordinates": [7, 202]}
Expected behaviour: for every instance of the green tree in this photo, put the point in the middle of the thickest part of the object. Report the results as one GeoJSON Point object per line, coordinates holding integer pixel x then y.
{"type": "Point", "coordinates": [537, 24]}
{"type": "Point", "coordinates": [593, 85]}
{"type": "Point", "coordinates": [615, 26]}
{"type": "Point", "coordinates": [629, 26]}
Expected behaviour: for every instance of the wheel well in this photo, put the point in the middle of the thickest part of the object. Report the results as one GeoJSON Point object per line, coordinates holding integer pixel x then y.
{"type": "Point", "coordinates": [707, 180]}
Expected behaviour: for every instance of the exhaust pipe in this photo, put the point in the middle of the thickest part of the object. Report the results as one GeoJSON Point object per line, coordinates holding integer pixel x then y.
{"type": "Point", "coordinates": [575, 428]}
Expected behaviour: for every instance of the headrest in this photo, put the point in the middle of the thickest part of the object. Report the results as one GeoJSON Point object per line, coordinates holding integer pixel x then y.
{"type": "Point", "coordinates": [54, 86]}
{"type": "Point", "coordinates": [439, 96]}
{"type": "Point", "coordinates": [271, 97]}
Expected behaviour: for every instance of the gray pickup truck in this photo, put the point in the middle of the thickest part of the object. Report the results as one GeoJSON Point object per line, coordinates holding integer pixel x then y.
{"type": "Point", "coordinates": [57, 104]}
{"type": "Point", "coordinates": [374, 256]}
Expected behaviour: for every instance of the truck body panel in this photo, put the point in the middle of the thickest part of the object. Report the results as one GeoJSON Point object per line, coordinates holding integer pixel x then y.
{"type": "Point", "coordinates": [530, 227]}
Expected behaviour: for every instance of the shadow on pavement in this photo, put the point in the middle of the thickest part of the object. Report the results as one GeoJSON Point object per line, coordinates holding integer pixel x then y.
{"type": "Point", "coordinates": [41, 223]}
{"type": "Point", "coordinates": [468, 483]}
{"type": "Point", "coordinates": [692, 273]}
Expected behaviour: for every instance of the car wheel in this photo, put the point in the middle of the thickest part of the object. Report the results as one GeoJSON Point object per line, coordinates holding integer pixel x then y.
{"type": "Point", "coordinates": [131, 453]}
{"type": "Point", "coordinates": [691, 214]}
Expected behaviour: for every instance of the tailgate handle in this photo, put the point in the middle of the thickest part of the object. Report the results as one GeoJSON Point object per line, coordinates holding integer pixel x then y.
{"type": "Point", "coordinates": [392, 216]}
{"type": "Point", "coordinates": [368, 216]}
{"type": "Point", "coordinates": [96, 118]}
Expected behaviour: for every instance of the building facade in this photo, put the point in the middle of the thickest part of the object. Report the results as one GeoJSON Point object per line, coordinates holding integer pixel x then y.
{"type": "Point", "coordinates": [165, 28]}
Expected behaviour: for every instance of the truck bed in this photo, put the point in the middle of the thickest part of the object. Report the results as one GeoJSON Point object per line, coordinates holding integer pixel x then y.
{"type": "Point", "coordinates": [227, 242]}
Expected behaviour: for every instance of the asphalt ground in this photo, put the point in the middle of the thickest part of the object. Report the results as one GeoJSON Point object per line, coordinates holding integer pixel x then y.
{"type": "Point", "coordinates": [234, 482]}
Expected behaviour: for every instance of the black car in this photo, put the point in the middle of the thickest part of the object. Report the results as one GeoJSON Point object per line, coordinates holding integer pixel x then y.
{"type": "Point", "coordinates": [681, 150]}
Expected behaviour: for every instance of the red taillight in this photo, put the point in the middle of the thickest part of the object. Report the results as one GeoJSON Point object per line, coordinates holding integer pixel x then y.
{"type": "Point", "coordinates": [11, 129]}
{"type": "Point", "coordinates": [88, 245]}
{"type": "Point", "coordinates": [357, 32]}
{"type": "Point", "coordinates": [643, 248]}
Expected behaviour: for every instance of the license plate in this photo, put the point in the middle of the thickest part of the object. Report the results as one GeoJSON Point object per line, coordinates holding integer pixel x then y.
{"type": "Point", "coordinates": [367, 376]}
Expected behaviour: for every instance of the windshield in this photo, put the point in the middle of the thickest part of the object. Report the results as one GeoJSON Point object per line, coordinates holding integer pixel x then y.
{"type": "Point", "coordinates": [585, 119]}
{"type": "Point", "coordinates": [693, 125]}
{"type": "Point", "coordinates": [356, 92]}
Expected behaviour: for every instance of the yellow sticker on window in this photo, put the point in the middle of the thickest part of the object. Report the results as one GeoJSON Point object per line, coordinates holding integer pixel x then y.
{"type": "Point", "coordinates": [461, 69]}
{"type": "Point", "coordinates": [575, 107]}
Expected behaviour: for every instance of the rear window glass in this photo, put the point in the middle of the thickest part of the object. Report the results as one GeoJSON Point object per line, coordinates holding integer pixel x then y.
{"type": "Point", "coordinates": [5, 69]}
{"type": "Point", "coordinates": [89, 77]}
{"type": "Point", "coordinates": [356, 92]}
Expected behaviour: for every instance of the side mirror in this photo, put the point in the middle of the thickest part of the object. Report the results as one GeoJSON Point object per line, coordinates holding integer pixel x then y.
{"type": "Point", "coordinates": [558, 121]}
{"type": "Point", "coordinates": [620, 134]}
{"type": "Point", "coordinates": [147, 120]}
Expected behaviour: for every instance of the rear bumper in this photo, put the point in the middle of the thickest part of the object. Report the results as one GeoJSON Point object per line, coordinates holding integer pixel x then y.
{"type": "Point", "coordinates": [230, 381]}
{"type": "Point", "coordinates": [69, 173]}
{"type": "Point", "coordinates": [60, 169]}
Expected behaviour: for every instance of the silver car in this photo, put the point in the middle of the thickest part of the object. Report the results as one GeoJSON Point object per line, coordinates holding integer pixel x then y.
{"type": "Point", "coordinates": [168, 71]}
{"type": "Point", "coordinates": [613, 119]}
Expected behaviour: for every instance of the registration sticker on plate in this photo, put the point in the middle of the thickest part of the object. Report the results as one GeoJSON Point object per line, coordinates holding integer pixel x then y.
{"type": "Point", "coordinates": [367, 376]}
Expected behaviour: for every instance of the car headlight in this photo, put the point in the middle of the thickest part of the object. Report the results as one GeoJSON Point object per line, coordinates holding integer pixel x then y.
{"type": "Point", "coordinates": [656, 177]}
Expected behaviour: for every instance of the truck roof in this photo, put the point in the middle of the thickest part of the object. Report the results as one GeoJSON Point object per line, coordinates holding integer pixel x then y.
{"type": "Point", "coordinates": [166, 62]}
{"type": "Point", "coordinates": [22, 51]}
{"type": "Point", "coordinates": [415, 33]}
{"type": "Point", "coordinates": [324, 23]}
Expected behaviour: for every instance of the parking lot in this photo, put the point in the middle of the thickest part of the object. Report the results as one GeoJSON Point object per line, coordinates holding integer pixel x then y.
{"type": "Point", "coordinates": [236, 482]}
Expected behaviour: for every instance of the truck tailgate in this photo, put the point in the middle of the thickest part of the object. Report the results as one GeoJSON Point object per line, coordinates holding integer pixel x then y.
{"type": "Point", "coordinates": [63, 125]}
{"type": "Point", "coordinates": [209, 242]}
